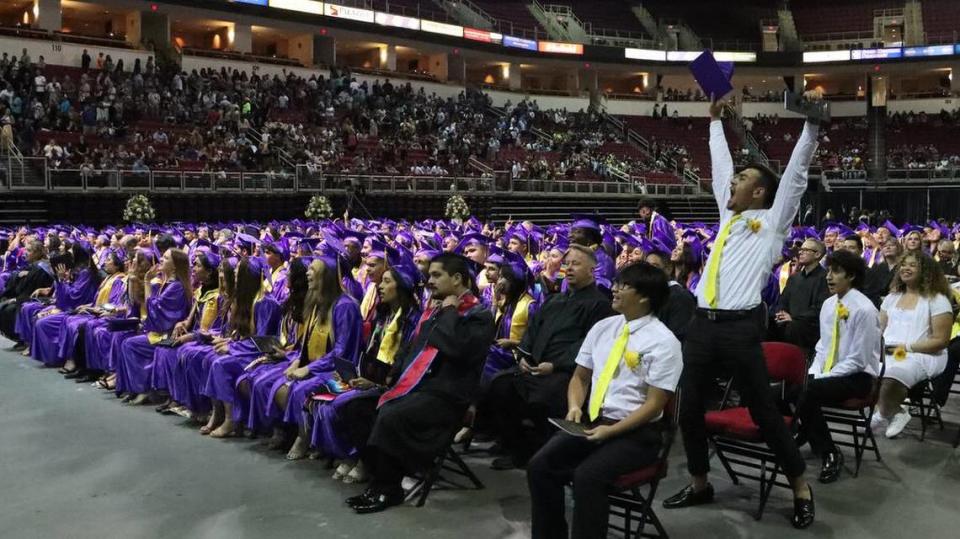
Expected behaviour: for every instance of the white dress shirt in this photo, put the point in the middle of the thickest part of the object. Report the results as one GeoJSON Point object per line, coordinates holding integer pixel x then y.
{"type": "Point", "coordinates": [660, 362]}
{"type": "Point", "coordinates": [748, 256]}
{"type": "Point", "coordinates": [859, 348]}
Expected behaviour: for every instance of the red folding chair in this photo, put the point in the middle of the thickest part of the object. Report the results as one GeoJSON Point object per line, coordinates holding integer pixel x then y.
{"type": "Point", "coordinates": [627, 502]}
{"type": "Point", "coordinates": [850, 420]}
{"type": "Point", "coordinates": [737, 439]}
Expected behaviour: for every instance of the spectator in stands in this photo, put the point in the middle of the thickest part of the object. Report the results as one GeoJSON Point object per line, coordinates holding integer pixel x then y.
{"type": "Point", "coordinates": [85, 61]}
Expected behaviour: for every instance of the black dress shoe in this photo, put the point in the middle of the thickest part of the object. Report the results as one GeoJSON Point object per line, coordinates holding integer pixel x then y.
{"type": "Point", "coordinates": [832, 464]}
{"type": "Point", "coordinates": [502, 463]}
{"type": "Point", "coordinates": [380, 502]}
{"type": "Point", "coordinates": [19, 347]}
{"type": "Point", "coordinates": [803, 512]}
{"type": "Point", "coordinates": [361, 499]}
{"type": "Point", "coordinates": [72, 375]}
{"type": "Point", "coordinates": [689, 497]}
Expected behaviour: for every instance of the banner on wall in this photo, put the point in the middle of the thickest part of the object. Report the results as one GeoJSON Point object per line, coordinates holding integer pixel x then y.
{"type": "Point", "coordinates": [560, 48]}
{"type": "Point", "coordinates": [482, 35]}
{"type": "Point", "coordinates": [519, 43]}
{"type": "Point", "coordinates": [398, 21]}
{"type": "Point", "coordinates": [826, 56]}
{"type": "Point", "coordinates": [441, 28]}
{"type": "Point", "coordinates": [347, 12]}
{"type": "Point", "coordinates": [254, 2]}
{"type": "Point", "coordinates": [645, 54]}
{"type": "Point", "coordinates": [306, 6]}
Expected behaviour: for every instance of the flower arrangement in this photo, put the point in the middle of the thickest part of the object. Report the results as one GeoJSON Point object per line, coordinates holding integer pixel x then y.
{"type": "Point", "coordinates": [139, 210]}
{"type": "Point", "coordinates": [318, 208]}
{"type": "Point", "coordinates": [457, 208]}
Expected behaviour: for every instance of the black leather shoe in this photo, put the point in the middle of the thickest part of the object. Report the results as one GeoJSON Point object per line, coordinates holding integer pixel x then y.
{"type": "Point", "coordinates": [72, 375]}
{"type": "Point", "coordinates": [832, 464]}
{"type": "Point", "coordinates": [502, 463]}
{"type": "Point", "coordinates": [379, 502]}
{"type": "Point", "coordinates": [689, 497]}
{"type": "Point", "coordinates": [361, 499]}
{"type": "Point", "coordinates": [803, 512]}
{"type": "Point", "coordinates": [19, 347]}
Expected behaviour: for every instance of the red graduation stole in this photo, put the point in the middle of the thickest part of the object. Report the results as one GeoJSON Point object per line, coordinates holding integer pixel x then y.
{"type": "Point", "coordinates": [421, 364]}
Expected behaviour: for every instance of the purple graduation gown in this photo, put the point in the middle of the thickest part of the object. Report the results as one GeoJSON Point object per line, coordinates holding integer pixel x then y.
{"type": "Point", "coordinates": [346, 335]}
{"type": "Point", "coordinates": [164, 372]}
{"type": "Point", "coordinates": [327, 419]}
{"type": "Point", "coordinates": [44, 343]}
{"type": "Point", "coordinates": [499, 358]}
{"type": "Point", "coordinates": [99, 341]}
{"type": "Point", "coordinates": [218, 374]}
{"type": "Point", "coordinates": [169, 305]}
{"type": "Point", "coordinates": [70, 329]}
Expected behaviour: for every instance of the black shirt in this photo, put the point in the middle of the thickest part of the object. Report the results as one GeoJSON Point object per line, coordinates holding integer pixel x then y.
{"type": "Point", "coordinates": [677, 312]}
{"type": "Point", "coordinates": [801, 299]}
{"type": "Point", "coordinates": [555, 333]}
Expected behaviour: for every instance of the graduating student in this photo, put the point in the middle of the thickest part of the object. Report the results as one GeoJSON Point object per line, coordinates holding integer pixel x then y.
{"type": "Point", "coordinates": [847, 359]}
{"type": "Point", "coordinates": [341, 427]}
{"type": "Point", "coordinates": [725, 338]}
{"type": "Point", "coordinates": [433, 384]}
{"type": "Point", "coordinates": [535, 389]}
{"type": "Point", "coordinates": [629, 365]}
{"type": "Point", "coordinates": [165, 307]}
{"type": "Point", "coordinates": [276, 256]}
{"type": "Point", "coordinates": [916, 318]}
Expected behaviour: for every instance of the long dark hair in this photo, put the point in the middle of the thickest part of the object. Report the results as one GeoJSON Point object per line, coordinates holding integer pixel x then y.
{"type": "Point", "coordinates": [931, 282]}
{"type": "Point", "coordinates": [82, 259]}
{"type": "Point", "coordinates": [407, 300]}
{"type": "Point", "coordinates": [241, 313]}
{"type": "Point", "coordinates": [181, 271]}
{"type": "Point", "coordinates": [322, 292]}
{"type": "Point", "coordinates": [516, 285]}
{"type": "Point", "coordinates": [229, 284]}
{"type": "Point", "coordinates": [213, 274]}
{"type": "Point", "coordinates": [297, 290]}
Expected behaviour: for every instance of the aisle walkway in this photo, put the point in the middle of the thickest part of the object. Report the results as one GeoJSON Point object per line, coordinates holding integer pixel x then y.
{"type": "Point", "coordinates": [75, 463]}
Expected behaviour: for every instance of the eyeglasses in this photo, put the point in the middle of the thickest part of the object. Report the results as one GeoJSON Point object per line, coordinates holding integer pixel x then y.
{"type": "Point", "coordinates": [806, 250]}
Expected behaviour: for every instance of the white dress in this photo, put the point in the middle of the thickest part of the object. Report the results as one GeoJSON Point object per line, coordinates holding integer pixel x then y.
{"type": "Point", "coordinates": [907, 326]}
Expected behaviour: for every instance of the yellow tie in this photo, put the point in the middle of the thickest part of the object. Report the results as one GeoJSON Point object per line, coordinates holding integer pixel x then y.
{"type": "Point", "coordinates": [834, 340]}
{"type": "Point", "coordinates": [609, 368]}
{"type": "Point", "coordinates": [713, 268]}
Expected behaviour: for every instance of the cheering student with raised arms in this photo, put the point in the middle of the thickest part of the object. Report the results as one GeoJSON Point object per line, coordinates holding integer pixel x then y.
{"type": "Point", "coordinates": [725, 336]}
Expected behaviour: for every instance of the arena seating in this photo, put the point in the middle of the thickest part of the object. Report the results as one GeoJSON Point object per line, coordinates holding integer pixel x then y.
{"type": "Point", "coordinates": [513, 16]}
{"type": "Point", "coordinates": [941, 20]}
{"type": "Point", "coordinates": [607, 14]}
{"type": "Point", "coordinates": [819, 17]}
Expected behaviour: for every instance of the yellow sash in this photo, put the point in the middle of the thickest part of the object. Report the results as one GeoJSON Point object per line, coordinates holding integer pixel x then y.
{"type": "Point", "coordinates": [784, 275]}
{"type": "Point", "coordinates": [318, 335]}
{"type": "Point", "coordinates": [390, 342]}
{"type": "Point", "coordinates": [521, 314]}
{"type": "Point", "coordinates": [369, 301]}
{"type": "Point", "coordinates": [207, 303]}
{"type": "Point", "coordinates": [103, 293]}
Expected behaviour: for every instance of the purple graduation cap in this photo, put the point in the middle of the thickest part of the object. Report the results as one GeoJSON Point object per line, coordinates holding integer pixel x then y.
{"type": "Point", "coordinates": [712, 76]}
{"type": "Point", "coordinates": [474, 238]}
{"type": "Point", "coordinates": [279, 248]}
{"type": "Point", "coordinates": [518, 267]}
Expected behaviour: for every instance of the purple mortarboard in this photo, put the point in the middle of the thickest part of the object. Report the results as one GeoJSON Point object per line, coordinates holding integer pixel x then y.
{"type": "Point", "coordinates": [495, 255]}
{"type": "Point", "coordinates": [307, 246]}
{"type": "Point", "coordinates": [426, 253]}
{"type": "Point", "coordinates": [408, 273]}
{"type": "Point", "coordinates": [378, 249]}
{"type": "Point", "coordinates": [663, 236]}
{"type": "Point", "coordinates": [894, 231]}
{"type": "Point", "coordinates": [473, 238]}
{"type": "Point", "coordinates": [712, 76]}
{"type": "Point", "coordinates": [278, 248]}
{"type": "Point", "coordinates": [246, 241]}
{"type": "Point", "coordinates": [252, 230]}
{"type": "Point", "coordinates": [213, 259]}
{"type": "Point", "coordinates": [585, 221]}
{"type": "Point", "coordinates": [518, 266]}
{"type": "Point", "coordinates": [944, 232]}
{"type": "Point", "coordinates": [907, 229]}
{"type": "Point", "coordinates": [255, 265]}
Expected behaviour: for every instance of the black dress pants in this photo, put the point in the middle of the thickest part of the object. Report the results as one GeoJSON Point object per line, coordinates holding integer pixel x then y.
{"type": "Point", "coordinates": [515, 397]}
{"type": "Point", "coordinates": [828, 391]}
{"type": "Point", "coordinates": [593, 467]}
{"type": "Point", "coordinates": [725, 348]}
{"type": "Point", "coordinates": [8, 319]}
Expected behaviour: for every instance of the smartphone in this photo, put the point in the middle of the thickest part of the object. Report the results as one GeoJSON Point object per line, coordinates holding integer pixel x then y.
{"type": "Point", "coordinates": [815, 110]}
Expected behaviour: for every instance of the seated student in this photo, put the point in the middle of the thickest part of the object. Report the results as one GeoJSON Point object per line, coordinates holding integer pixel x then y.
{"type": "Point", "coordinates": [629, 365]}
{"type": "Point", "coordinates": [74, 287]}
{"type": "Point", "coordinates": [221, 362]}
{"type": "Point", "coordinates": [433, 383]}
{"type": "Point", "coordinates": [514, 306]}
{"type": "Point", "coordinates": [881, 274]}
{"type": "Point", "coordinates": [110, 292]}
{"type": "Point", "coordinates": [341, 427]}
{"type": "Point", "coordinates": [276, 254]}
{"type": "Point", "coordinates": [333, 330]}
{"type": "Point", "coordinates": [915, 317]}
{"type": "Point", "coordinates": [847, 359]}
{"type": "Point", "coordinates": [166, 306]}
{"type": "Point", "coordinates": [678, 310]}
{"type": "Point", "coordinates": [37, 274]}
{"type": "Point", "coordinates": [535, 390]}
{"type": "Point", "coordinates": [187, 373]}
{"type": "Point", "coordinates": [205, 320]}
{"type": "Point", "coordinates": [99, 338]}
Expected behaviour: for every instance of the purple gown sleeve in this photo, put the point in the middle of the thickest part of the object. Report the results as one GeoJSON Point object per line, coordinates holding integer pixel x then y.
{"type": "Point", "coordinates": [267, 313]}
{"type": "Point", "coordinates": [117, 291]}
{"type": "Point", "coordinates": [347, 334]}
{"type": "Point", "coordinates": [79, 292]}
{"type": "Point", "coordinates": [167, 308]}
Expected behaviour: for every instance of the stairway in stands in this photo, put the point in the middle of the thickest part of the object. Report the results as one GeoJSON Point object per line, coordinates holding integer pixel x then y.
{"type": "Point", "coordinates": [691, 209]}
{"type": "Point", "coordinates": [544, 211]}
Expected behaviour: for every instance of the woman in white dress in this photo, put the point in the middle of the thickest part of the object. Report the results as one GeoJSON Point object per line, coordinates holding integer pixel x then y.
{"type": "Point", "coordinates": [916, 318]}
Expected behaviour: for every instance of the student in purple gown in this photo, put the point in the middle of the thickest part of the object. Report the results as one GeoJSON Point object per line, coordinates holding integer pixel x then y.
{"type": "Point", "coordinates": [338, 428]}
{"type": "Point", "coordinates": [252, 313]}
{"type": "Point", "coordinates": [165, 307]}
{"type": "Point", "coordinates": [333, 330]}
{"type": "Point", "coordinates": [204, 321]}
{"type": "Point", "coordinates": [40, 300]}
{"type": "Point", "coordinates": [514, 305]}
{"type": "Point", "coordinates": [98, 336]}
{"type": "Point", "coordinates": [188, 376]}
{"type": "Point", "coordinates": [111, 291]}
{"type": "Point", "coordinates": [35, 273]}
{"type": "Point", "coordinates": [74, 287]}
{"type": "Point", "coordinates": [275, 253]}
{"type": "Point", "coordinates": [290, 336]}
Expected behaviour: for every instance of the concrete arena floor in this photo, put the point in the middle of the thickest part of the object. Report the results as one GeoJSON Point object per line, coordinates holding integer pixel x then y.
{"type": "Point", "coordinates": [75, 463]}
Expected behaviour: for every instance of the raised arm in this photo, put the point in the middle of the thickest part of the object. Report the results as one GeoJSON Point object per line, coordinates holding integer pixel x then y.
{"type": "Point", "coordinates": [720, 160]}
{"type": "Point", "coordinates": [794, 180]}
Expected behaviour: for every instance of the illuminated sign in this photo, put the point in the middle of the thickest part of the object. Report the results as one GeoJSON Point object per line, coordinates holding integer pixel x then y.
{"type": "Point", "coordinates": [645, 54]}
{"type": "Point", "coordinates": [519, 43]}
{"type": "Point", "coordinates": [441, 28]}
{"type": "Point", "coordinates": [722, 56]}
{"type": "Point", "coordinates": [254, 2]}
{"type": "Point", "coordinates": [875, 54]}
{"type": "Point", "coordinates": [387, 19]}
{"type": "Point", "coordinates": [932, 50]}
{"type": "Point", "coordinates": [683, 56]}
{"type": "Point", "coordinates": [560, 48]}
{"type": "Point", "coordinates": [825, 56]}
{"type": "Point", "coordinates": [482, 35]}
{"type": "Point", "coordinates": [347, 12]}
{"type": "Point", "coordinates": [306, 6]}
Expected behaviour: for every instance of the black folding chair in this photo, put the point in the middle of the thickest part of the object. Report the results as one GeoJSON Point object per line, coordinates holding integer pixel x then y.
{"type": "Point", "coordinates": [850, 420]}
{"type": "Point", "coordinates": [447, 464]}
